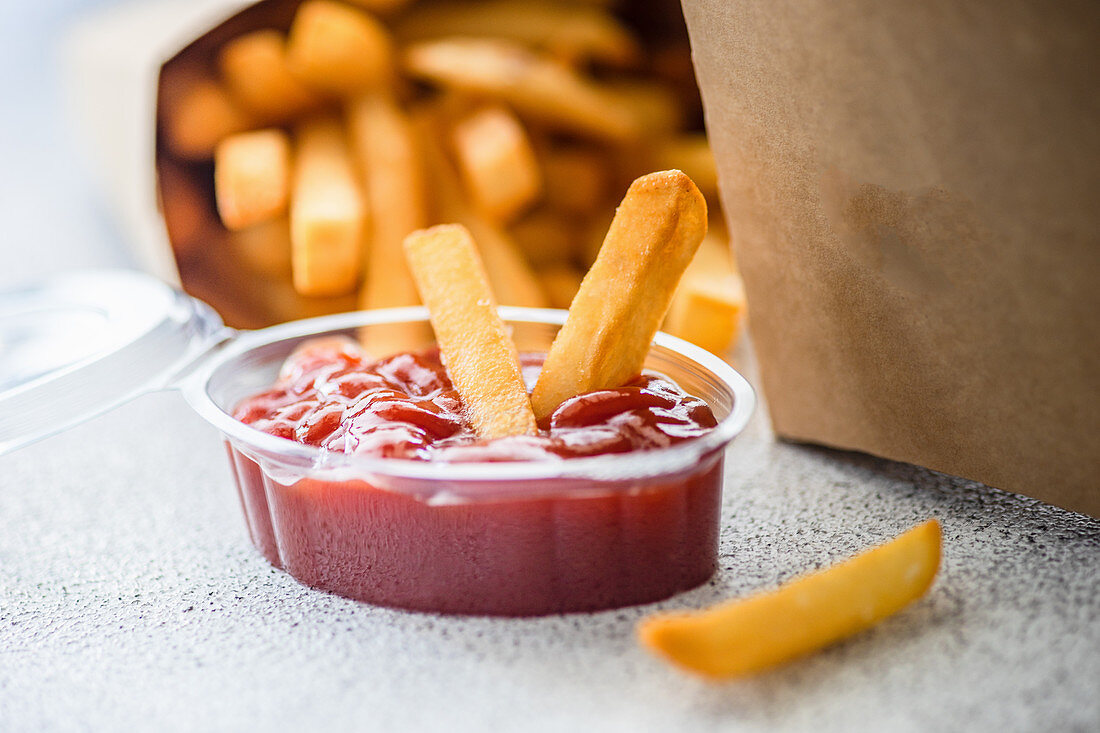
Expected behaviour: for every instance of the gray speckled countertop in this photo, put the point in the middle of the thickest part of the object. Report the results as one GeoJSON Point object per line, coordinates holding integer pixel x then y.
{"type": "Point", "coordinates": [130, 597]}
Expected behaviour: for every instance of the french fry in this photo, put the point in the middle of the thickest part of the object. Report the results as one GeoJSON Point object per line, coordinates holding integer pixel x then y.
{"type": "Point", "coordinates": [255, 69]}
{"type": "Point", "coordinates": [623, 298]}
{"type": "Point", "coordinates": [575, 179]}
{"type": "Point", "coordinates": [497, 162]}
{"type": "Point", "coordinates": [263, 249]}
{"type": "Point", "coordinates": [389, 163]}
{"type": "Point", "coordinates": [709, 305]}
{"type": "Point", "coordinates": [511, 277]}
{"type": "Point", "coordinates": [326, 211]}
{"type": "Point", "coordinates": [691, 153]}
{"type": "Point", "coordinates": [561, 283]}
{"type": "Point", "coordinates": [573, 34]}
{"type": "Point", "coordinates": [200, 116]}
{"type": "Point", "coordinates": [481, 359]}
{"type": "Point", "coordinates": [533, 84]}
{"type": "Point", "coordinates": [753, 634]}
{"type": "Point", "coordinates": [546, 238]}
{"type": "Point", "coordinates": [252, 177]}
{"type": "Point", "coordinates": [339, 49]}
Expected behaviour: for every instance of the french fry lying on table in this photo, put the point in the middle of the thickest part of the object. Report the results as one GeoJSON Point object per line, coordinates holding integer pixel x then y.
{"type": "Point", "coordinates": [623, 298]}
{"type": "Point", "coordinates": [389, 163]}
{"type": "Point", "coordinates": [709, 305]}
{"type": "Point", "coordinates": [480, 357]}
{"type": "Point", "coordinates": [339, 49]}
{"type": "Point", "coordinates": [252, 177]}
{"type": "Point", "coordinates": [752, 634]}
{"type": "Point", "coordinates": [534, 84]}
{"type": "Point", "coordinates": [255, 69]}
{"type": "Point", "coordinates": [200, 116]}
{"type": "Point", "coordinates": [326, 211]}
{"type": "Point", "coordinates": [497, 162]}
{"type": "Point", "coordinates": [512, 279]}
{"type": "Point", "coordinates": [571, 33]}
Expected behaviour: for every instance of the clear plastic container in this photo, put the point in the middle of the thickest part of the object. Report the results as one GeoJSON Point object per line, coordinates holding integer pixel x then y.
{"type": "Point", "coordinates": [512, 538]}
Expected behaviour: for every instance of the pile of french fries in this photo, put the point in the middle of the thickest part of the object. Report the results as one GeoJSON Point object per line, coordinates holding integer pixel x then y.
{"type": "Point", "coordinates": [323, 143]}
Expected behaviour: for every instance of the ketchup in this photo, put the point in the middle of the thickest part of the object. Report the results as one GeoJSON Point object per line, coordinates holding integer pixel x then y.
{"type": "Point", "coordinates": [549, 546]}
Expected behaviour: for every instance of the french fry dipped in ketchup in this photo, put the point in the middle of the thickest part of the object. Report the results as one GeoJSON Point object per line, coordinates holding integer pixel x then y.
{"type": "Point", "coordinates": [481, 359]}
{"type": "Point", "coordinates": [623, 298]}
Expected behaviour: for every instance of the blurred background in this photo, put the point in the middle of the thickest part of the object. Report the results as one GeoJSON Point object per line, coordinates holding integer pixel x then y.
{"type": "Point", "coordinates": [113, 158]}
{"type": "Point", "coordinates": [53, 215]}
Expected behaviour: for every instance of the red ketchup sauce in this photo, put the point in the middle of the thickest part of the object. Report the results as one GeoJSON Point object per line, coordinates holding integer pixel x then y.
{"type": "Point", "coordinates": [527, 547]}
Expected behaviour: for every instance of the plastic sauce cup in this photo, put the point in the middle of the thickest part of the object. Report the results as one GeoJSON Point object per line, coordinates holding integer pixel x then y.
{"type": "Point", "coordinates": [509, 538]}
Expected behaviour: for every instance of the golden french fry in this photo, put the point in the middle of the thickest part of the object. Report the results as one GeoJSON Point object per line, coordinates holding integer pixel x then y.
{"type": "Point", "coordinates": [497, 162]}
{"type": "Point", "coordinates": [709, 305]}
{"type": "Point", "coordinates": [339, 49]}
{"type": "Point", "coordinates": [545, 238]}
{"type": "Point", "coordinates": [575, 179]}
{"type": "Point", "coordinates": [511, 277]}
{"type": "Point", "coordinates": [255, 69]}
{"type": "Point", "coordinates": [252, 177]}
{"type": "Point", "coordinates": [263, 248]}
{"type": "Point", "coordinates": [574, 34]}
{"type": "Point", "coordinates": [200, 116]}
{"type": "Point", "coordinates": [481, 359]}
{"type": "Point", "coordinates": [389, 163]}
{"type": "Point", "coordinates": [752, 634]}
{"type": "Point", "coordinates": [623, 298]}
{"type": "Point", "coordinates": [691, 153]}
{"type": "Point", "coordinates": [533, 84]}
{"type": "Point", "coordinates": [326, 211]}
{"type": "Point", "coordinates": [561, 283]}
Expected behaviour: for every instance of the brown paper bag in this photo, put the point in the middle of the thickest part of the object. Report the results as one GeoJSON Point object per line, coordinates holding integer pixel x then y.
{"type": "Point", "coordinates": [912, 188]}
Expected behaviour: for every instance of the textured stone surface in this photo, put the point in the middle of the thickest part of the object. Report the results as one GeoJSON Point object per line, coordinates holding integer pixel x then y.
{"type": "Point", "coordinates": [130, 597]}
